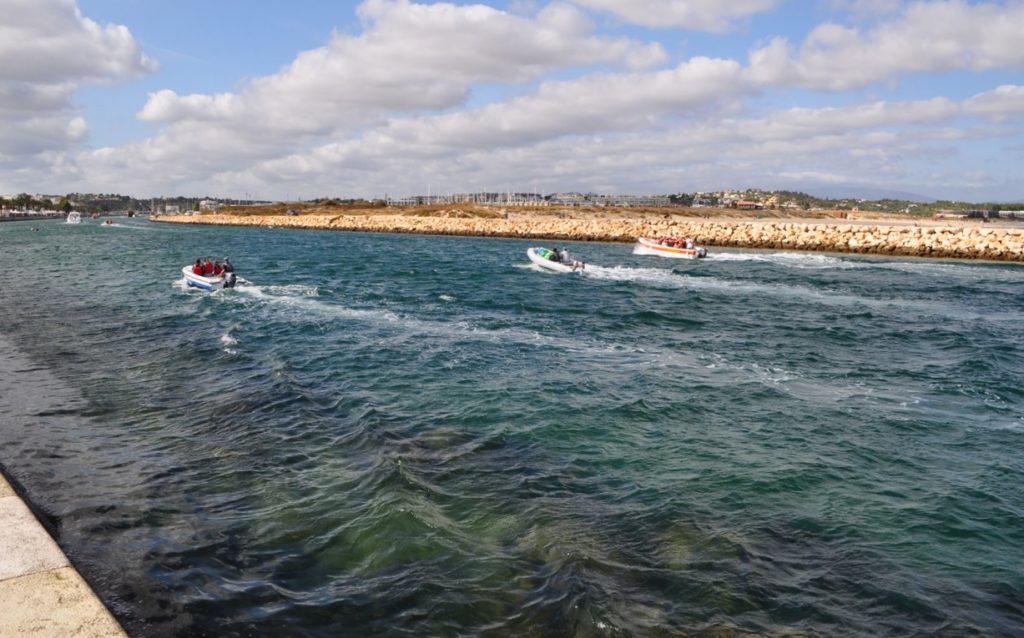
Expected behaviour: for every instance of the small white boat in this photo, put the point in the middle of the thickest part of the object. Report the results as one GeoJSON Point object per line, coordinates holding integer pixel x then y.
{"type": "Point", "coordinates": [202, 282]}
{"type": "Point", "coordinates": [74, 217]}
{"type": "Point", "coordinates": [669, 247]}
{"type": "Point", "coordinates": [550, 260]}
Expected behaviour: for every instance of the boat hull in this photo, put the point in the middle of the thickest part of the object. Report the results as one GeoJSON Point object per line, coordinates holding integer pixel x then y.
{"type": "Point", "coordinates": [646, 246]}
{"type": "Point", "coordinates": [203, 283]}
{"type": "Point", "coordinates": [554, 266]}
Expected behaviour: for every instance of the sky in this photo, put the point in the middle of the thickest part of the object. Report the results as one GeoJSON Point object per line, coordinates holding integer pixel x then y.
{"type": "Point", "coordinates": [320, 98]}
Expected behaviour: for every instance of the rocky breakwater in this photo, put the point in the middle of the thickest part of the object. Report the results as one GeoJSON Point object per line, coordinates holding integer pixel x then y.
{"type": "Point", "coordinates": [923, 239]}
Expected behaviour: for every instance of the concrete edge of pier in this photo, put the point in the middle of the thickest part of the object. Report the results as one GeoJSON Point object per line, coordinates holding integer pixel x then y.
{"type": "Point", "coordinates": [41, 593]}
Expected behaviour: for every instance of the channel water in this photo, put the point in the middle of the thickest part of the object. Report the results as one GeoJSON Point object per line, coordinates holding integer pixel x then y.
{"type": "Point", "coordinates": [427, 436]}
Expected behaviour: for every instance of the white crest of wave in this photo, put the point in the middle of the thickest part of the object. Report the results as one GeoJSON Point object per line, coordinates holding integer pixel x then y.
{"type": "Point", "coordinates": [967, 271]}
{"type": "Point", "coordinates": [809, 261]}
{"type": "Point", "coordinates": [817, 261]}
{"type": "Point", "coordinates": [643, 275]}
{"type": "Point", "coordinates": [306, 298]}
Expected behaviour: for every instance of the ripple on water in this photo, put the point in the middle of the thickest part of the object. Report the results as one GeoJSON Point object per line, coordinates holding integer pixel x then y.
{"type": "Point", "coordinates": [753, 444]}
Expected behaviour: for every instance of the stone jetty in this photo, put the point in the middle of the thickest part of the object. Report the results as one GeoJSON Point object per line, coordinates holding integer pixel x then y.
{"type": "Point", "coordinates": [904, 237]}
{"type": "Point", "coordinates": [41, 593]}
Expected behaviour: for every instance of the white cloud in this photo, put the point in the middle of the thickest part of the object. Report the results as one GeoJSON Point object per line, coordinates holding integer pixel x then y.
{"type": "Point", "coordinates": [383, 108]}
{"type": "Point", "coordinates": [166, 105]}
{"type": "Point", "coordinates": [874, 138]}
{"type": "Point", "coordinates": [933, 37]}
{"type": "Point", "coordinates": [47, 50]}
{"type": "Point", "coordinates": [867, 8]}
{"type": "Point", "coordinates": [409, 59]}
{"type": "Point", "coordinates": [1001, 104]}
{"type": "Point", "coordinates": [701, 15]}
{"type": "Point", "coordinates": [593, 104]}
{"type": "Point", "coordinates": [800, 123]}
{"type": "Point", "coordinates": [48, 41]}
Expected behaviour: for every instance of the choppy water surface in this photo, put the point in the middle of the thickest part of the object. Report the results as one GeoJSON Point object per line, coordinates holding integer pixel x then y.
{"type": "Point", "coordinates": [426, 436]}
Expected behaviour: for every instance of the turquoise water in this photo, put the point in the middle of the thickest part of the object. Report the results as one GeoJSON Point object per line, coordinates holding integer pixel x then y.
{"type": "Point", "coordinates": [426, 436]}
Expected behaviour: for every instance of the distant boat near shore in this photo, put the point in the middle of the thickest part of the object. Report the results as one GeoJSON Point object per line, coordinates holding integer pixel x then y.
{"type": "Point", "coordinates": [74, 217]}
{"type": "Point", "coordinates": [669, 247]}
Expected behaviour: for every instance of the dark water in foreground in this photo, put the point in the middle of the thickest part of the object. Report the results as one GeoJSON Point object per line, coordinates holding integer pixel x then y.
{"type": "Point", "coordinates": [424, 436]}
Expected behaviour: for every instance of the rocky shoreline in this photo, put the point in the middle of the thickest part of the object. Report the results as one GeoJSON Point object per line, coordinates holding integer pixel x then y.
{"type": "Point", "coordinates": [959, 240]}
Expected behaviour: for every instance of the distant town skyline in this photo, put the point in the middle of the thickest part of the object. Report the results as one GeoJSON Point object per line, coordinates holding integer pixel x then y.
{"type": "Point", "coordinates": [837, 98]}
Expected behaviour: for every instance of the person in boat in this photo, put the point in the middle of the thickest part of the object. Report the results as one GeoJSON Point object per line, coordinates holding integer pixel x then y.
{"type": "Point", "coordinates": [228, 267]}
{"type": "Point", "coordinates": [565, 258]}
{"type": "Point", "coordinates": [198, 268]}
{"type": "Point", "coordinates": [207, 268]}
{"type": "Point", "coordinates": [689, 242]}
{"type": "Point", "coordinates": [553, 255]}
{"type": "Point", "coordinates": [217, 269]}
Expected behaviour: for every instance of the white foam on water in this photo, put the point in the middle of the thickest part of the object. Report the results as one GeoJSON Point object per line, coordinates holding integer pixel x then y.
{"type": "Point", "coordinates": [923, 266]}
{"type": "Point", "coordinates": [305, 300]}
{"type": "Point", "coordinates": [966, 271]}
{"type": "Point", "coordinates": [413, 327]}
{"type": "Point", "coordinates": [665, 278]}
{"type": "Point", "coordinates": [659, 276]}
{"type": "Point", "coordinates": [229, 341]}
{"type": "Point", "coordinates": [805, 261]}
{"type": "Point", "coordinates": [290, 290]}
{"type": "Point", "coordinates": [694, 365]}
{"type": "Point", "coordinates": [1012, 426]}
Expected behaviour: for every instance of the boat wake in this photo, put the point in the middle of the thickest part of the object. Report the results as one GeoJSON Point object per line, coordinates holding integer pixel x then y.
{"type": "Point", "coordinates": [308, 306]}
{"type": "Point", "coordinates": [286, 291]}
{"type": "Point", "coordinates": [802, 261]}
{"type": "Point", "coordinates": [814, 261]}
{"type": "Point", "coordinates": [670, 279]}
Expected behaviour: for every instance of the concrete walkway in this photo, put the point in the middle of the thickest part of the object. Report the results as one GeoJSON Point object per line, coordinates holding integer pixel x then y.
{"type": "Point", "coordinates": [41, 594]}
